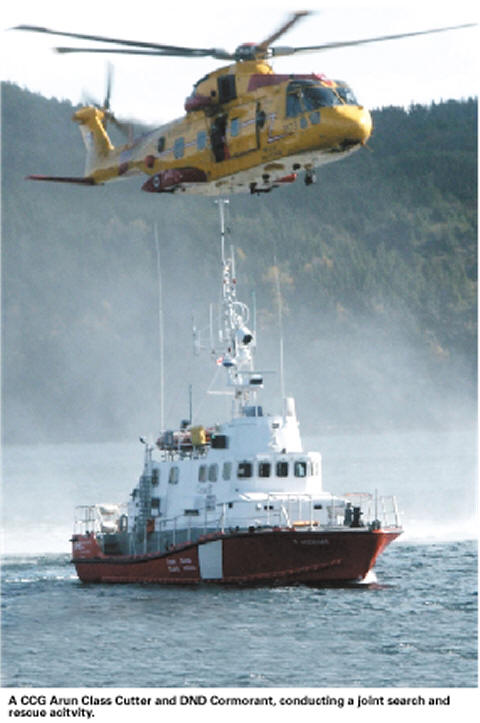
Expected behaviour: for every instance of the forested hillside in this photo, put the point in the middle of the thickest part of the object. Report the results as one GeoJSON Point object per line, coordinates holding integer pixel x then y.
{"type": "Point", "coordinates": [377, 267]}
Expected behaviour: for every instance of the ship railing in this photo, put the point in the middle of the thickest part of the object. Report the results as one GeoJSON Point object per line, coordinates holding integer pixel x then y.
{"type": "Point", "coordinates": [99, 518]}
{"type": "Point", "coordinates": [376, 509]}
{"type": "Point", "coordinates": [291, 510]}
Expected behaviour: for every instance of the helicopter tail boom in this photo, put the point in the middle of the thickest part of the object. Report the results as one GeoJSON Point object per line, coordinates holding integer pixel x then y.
{"type": "Point", "coordinates": [91, 123]}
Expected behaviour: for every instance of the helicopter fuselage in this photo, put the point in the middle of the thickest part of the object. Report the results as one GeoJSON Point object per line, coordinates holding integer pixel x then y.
{"type": "Point", "coordinates": [245, 129]}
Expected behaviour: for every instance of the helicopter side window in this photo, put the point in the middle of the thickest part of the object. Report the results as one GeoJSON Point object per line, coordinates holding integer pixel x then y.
{"type": "Point", "coordinates": [234, 127]}
{"type": "Point", "coordinates": [201, 140]}
{"type": "Point", "coordinates": [294, 105]}
{"type": "Point", "coordinates": [179, 147]}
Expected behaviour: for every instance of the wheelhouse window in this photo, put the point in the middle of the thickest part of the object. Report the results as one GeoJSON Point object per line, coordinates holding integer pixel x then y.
{"type": "Point", "coordinates": [213, 473]}
{"type": "Point", "coordinates": [227, 470]}
{"type": "Point", "coordinates": [155, 477]}
{"type": "Point", "coordinates": [282, 469]}
{"type": "Point", "coordinates": [244, 469]}
{"type": "Point", "coordinates": [202, 473]}
{"type": "Point", "coordinates": [173, 476]}
{"type": "Point", "coordinates": [300, 469]}
{"type": "Point", "coordinates": [264, 469]}
{"type": "Point", "coordinates": [179, 147]}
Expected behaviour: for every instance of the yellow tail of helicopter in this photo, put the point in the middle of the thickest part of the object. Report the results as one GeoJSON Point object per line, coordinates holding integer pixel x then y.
{"type": "Point", "coordinates": [97, 142]}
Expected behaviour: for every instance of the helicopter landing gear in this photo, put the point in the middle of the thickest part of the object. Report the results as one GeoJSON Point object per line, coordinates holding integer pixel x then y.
{"type": "Point", "coordinates": [310, 177]}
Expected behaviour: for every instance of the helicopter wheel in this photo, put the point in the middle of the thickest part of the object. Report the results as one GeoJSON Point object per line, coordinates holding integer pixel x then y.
{"type": "Point", "coordinates": [310, 178]}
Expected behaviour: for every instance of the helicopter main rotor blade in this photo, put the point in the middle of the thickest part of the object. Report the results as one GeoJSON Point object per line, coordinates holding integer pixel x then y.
{"type": "Point", "coordinates": [265, 44]}
{"type": "Point", "coordinates": [171, 52]}
{"type": "Point", "coordinates": [280, 51]}
{"type": "Point", "coordinates": [135, 45]}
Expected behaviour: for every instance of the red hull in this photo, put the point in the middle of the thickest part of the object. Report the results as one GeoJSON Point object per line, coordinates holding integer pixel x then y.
{"type": "Point", "coordinates": [269, 557]}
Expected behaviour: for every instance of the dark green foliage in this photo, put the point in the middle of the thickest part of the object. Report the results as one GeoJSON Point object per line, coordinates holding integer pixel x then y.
{"type": "Point", "coordinates": [377, 273]}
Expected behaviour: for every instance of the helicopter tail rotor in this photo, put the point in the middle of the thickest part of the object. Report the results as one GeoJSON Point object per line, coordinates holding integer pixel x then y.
{"type": "Point", "coordinates": [105, 107]}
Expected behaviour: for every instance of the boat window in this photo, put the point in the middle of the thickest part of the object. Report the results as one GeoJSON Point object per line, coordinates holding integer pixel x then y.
{"type": "Point", "coordinates": [191, 513]}
{"type": "Point", "coordinates": [300, 469]}
{"type": "Point", "coordinates": [155, 477]}
{"type": "Point", "coordinates": [227, 470]}
{"type": "Point", "coordinates": [202, 473]}
{"type": "Point", "coordinates": [173, 476]}
{"type": "Point", "coordinates": [155, 501]}
{"type": "Point", "coordinates": [264, 469]}
{"type": "Point", "coordinates": [282, 469]}
{"type": "Point", "coordinates": [244, 469]}
{"type": "Point", "coordinates": [213, 473]}
{"type": "Point", "coordinates": [161, 144]}
{"type": "Point", "coordinates": [179, 147]}
{"type": "Point", "coordinates": [201, 140]}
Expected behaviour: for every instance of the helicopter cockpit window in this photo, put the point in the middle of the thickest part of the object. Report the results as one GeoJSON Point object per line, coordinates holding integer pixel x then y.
{"type": "Point", "coordinates": [201, 140]}
{"type": "Point", "coordinates": [306, 95]}
{"type": "Point", "coordinates": [346, 93]}
{"type": "Point", "coordinates": [318, 96]}
{"type": "Point", "coordinates": [161, 144]}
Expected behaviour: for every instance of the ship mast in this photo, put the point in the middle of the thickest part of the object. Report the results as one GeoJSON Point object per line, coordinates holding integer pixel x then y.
{"type": "Point", "coordinates": [236, 340]}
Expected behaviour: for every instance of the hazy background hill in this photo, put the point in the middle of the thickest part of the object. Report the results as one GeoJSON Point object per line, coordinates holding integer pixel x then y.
{"type": "Point", "coordinates": [377, 267]}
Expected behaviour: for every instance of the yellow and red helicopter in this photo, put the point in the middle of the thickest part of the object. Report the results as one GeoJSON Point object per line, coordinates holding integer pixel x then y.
{"type": "Point", "coordinates": [246, 128]}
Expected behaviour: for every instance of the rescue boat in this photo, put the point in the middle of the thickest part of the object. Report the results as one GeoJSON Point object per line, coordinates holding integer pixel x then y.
{"type": "Point", "coordinates": [236, 503]}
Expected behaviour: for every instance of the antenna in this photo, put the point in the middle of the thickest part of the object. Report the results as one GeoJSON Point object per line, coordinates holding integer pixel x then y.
{"type": "Point", "coordinates": [280, 324]}
{"type": "Point", "coordinates": [221, 203]}
{"type": "Point", "coordinates": [160, 330]}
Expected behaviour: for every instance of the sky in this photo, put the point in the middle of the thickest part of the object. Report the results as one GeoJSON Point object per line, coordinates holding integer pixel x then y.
{"type": "Point", "coordinates": [153, 90]}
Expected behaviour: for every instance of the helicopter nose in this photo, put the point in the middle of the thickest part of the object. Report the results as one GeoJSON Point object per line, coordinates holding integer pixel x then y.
{"type": "Point", "coordinates": [359, 125]}
{"type": "Point", "coordinates": [356, 126]}
{"type": "Point", "coordinates": [365, 125]}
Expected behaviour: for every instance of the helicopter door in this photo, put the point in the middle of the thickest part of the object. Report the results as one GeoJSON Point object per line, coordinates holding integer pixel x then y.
{"type": "Point", "coordinates": [218, 138]}
{"type": "Point", "coordinates": [242, 131]}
